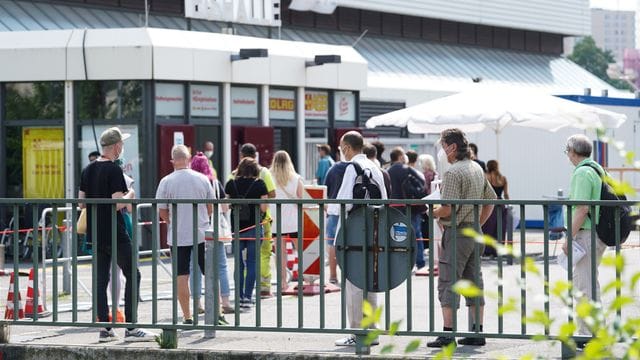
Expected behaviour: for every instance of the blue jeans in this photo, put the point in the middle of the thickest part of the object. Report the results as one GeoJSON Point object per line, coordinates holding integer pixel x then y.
{"type": "Point", "coordinates": [416, 222]}
{"type": "Point", "coordinates": [246, 282]}
{"type": "Point", "coordinates": [331, 227]}
{"type": "Point", "coordinates": [223, 274]}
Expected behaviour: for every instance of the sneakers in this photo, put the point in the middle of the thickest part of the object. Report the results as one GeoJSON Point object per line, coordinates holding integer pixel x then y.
{"type": "Point", "coordinates": [347, 341]}
{"type": "Point", "coordinates": [107, 336]}
{"type": "Point", "coordinates": [441, 341]}
{"type": "Point", "coordinates": [473, 341]}
{"type": "Point", "coordinates": [246, 303]}
{"type": "Point", "coordinates": [334, 282]}
{"type": "Point", "coordinates": [351, 341]}
{"type": "Point", "coordinates": [222, 320]}
{"type": "Point", "coordinates": [139, 335]}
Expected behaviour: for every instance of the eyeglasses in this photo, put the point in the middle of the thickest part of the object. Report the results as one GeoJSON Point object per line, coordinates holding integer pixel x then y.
{"type": "Point", "coordinates": [566, 151]}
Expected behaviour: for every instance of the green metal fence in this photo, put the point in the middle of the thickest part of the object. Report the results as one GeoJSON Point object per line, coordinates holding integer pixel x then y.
{"type": "Point", "coordinates": [306, 314]}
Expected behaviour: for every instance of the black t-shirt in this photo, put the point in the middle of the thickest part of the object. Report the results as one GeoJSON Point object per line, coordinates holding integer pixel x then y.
{"type": "Point", "coordinates": [245, 188]}
{"type": "Point", "coordinates": [99, 180]}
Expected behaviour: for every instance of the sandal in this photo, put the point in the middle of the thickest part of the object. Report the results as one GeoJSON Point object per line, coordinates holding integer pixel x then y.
{"type": "Point", "coordinates": [228, 310]}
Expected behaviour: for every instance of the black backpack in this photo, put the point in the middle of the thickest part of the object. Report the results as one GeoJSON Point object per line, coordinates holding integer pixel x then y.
{"type": "Point", "coordinates": [413, 187]}
{"type": "Point", "coordinates": [365, 187]}
{"type": "Point", "coordinates": [606, 224]}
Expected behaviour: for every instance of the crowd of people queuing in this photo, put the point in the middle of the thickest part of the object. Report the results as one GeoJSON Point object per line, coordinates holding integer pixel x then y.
{"type": "Point", "coordinates": [407, 175]}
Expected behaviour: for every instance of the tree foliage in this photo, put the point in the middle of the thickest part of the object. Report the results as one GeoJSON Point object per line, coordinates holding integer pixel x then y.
{"type": "Point", "coordinates": [595, 60]}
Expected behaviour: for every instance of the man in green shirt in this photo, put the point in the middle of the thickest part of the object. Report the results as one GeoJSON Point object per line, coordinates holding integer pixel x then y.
{"type": "Point", "coordinates": [249, 150]}
{"type": "Point", "coordinates": [586, 184]}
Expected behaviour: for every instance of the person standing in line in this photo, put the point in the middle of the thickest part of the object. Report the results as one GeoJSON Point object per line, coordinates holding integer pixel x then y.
{"type": "Point", "coordinates": [289, 185]}
{"type": "Point", "coordinates": [247, 185]}
{"type": "Point", "coordinates": [93, 156]}
{"type": "Point", "coordinates": [474, 156]}
{"type": "Point", "coordinates": [99, 180]}
{"type": "Point", "coordinates": [464, 180]}
{"type": "Point", "coordinates": [586, 184]}
{"type": "Point", "coordinates": [371, 152]}
{"type": "Point", "coordinates": [324, 163]}
{"type": "Point", "coordinates": [382, 163]}
{"type": "Point", "coordinates": [249, 150]}
{"type": "Point", "coordinates": [208, 149]}
{"type": "Point", "coordinates": [333, 181]}
{"type": "Point", "coordinates": [427, 166]}
{"type": "Point", "coordinates": [399, 172]}
{"type": "Point", "coordinates": [500, 186]}
{"type": "Point", "coordinates": [200, 164]}
{"type": "Point", "coordinates": [412, 158]}
{"type": "Point", "coordinates": [351, 147]}
{"type": "Point", "coordinates": [184, 183]}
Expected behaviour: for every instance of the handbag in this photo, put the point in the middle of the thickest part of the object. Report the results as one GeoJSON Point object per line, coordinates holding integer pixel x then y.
{"type": "Point", "coordinates": [224, 225]}
{"type": "Point", "coordinates": [81, 225]}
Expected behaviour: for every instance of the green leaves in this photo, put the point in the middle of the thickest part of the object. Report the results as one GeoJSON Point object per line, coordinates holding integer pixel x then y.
{"type": "Point", "coordinates": [467, 289]}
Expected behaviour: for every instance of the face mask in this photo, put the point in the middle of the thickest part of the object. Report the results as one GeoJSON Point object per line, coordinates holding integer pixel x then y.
{"type": "Point", "coordinates": [443, 161]}
{"type": "Point", "coordinates": [208, 153]}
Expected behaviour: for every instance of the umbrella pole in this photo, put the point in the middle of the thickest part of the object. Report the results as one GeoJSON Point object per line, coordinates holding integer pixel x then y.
{"type": "Point", "coordinates": [498, 146]}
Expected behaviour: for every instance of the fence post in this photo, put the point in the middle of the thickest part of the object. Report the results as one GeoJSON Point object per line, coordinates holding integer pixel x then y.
{"type": "Point", "coordinates": [66, 253]}
{"type": "Point", "coordinates": [5, 333]}
{"type": "Point", "coordinates": [567, 351]}
{"type": "Point", "coordinates": [209, 268]}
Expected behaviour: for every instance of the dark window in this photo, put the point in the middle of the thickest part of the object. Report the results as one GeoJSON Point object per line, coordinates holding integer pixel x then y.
{"type": "Point", "coordinates": [501, 38]}
{"type": "Point", "coordinates": [302, 18]}
{"type": "Point", "coordinates": [349, 19]}
{"type": "Point", "coordinates": [411, 27]}
{"type": "Point", "coordinates": [167, 6]}
{"type": "Point", "coordinates": [431, 29]}
{"type": "Point", "coordinates": [103, 2]}
{"type": "Point", "coordinates": [484, 35]}
{"type": "Point", "coordinates": [102, 100]}
{"type": "Point", "coordinates": [532, 41]}
{"type": "Point", "coordinates": [551, 43]}
{"type": "Point", "coordinates": [329, 22]}
{"type": "Point", "coordinates": [516, 39]}
{"type": "Point", "coordinates": [132, 4]}
{"type": "Point", "coordinates": [467, 34]}
{"type": "Point", "coordinates": [449, 31]}
{"type": "Point", "coordinates": [392, 24]}
{"type": "Point", "coordinates": [33, 101]}
{"type": "Point", "coordinates": [372, 21]}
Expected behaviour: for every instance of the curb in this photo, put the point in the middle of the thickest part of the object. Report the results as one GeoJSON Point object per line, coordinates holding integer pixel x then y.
{"type": "Point", "coordinates": [54, 352]}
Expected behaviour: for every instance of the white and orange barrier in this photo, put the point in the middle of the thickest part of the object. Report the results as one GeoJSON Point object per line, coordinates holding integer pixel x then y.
{"type": "Point", "coordinates": [9, 309]}
{"type": "Point", "coordinates": [311, 244]}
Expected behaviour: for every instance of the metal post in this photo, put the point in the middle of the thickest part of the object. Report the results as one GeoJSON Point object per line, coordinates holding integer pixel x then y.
{"type": "Point", "coordinates": [226, 130]}
{"type": "Point", "coordinates": [66, 253]}
{"type": "Point", "coordinates": [301, 133]}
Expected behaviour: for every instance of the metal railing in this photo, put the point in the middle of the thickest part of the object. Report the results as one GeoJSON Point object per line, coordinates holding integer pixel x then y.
{"type": "Point", "coordinates": [418, 310]}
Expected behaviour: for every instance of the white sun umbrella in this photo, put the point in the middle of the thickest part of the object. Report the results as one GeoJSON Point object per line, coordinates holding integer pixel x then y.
{"type": "Point", "coordinates": [476, 110]}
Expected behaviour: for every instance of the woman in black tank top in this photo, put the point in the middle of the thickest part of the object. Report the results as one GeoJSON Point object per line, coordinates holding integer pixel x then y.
{"type": "Point", "coordinates": [500, 186]}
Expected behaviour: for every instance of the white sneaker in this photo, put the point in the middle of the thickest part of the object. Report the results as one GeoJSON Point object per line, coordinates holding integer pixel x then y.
{"type": "Point", "coordinates": [347, 341]}
{"type": "Point", "coordinates": [107, 336]}
{"type": "Point", "coordinates": [139, 335]}
{"type": "Point", "coordinates": [351, 341]}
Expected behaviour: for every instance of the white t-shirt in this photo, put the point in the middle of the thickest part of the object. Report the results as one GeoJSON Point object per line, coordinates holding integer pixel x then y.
{"type": "Point", "coordinates": [186, 184]}
{"type": "Point", "coordinates": [289, 211]}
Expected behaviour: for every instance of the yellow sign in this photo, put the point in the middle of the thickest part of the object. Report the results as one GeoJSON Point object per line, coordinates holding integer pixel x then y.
{"type": "Point", "coordinates": [43, 162]}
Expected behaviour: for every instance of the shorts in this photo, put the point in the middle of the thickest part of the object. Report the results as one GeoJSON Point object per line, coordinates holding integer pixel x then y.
{"type": "Point", "coordinates": [332, 226]}
{"type": "Point", "coordinates": [465, 268]}
{"type": "Point", "coordinates": [184, 259]}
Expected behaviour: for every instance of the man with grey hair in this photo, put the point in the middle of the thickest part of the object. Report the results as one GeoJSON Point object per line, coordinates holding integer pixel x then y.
{"type": "Point", "coordinates": [184, 183]}
{"type": "Point", "coordinates": [104, 179]}
{"type": "Point", "coordinates": [586, 184]}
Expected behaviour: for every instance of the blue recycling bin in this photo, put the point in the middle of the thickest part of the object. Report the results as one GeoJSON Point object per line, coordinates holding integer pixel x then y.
{"type": "Point", "coordinates": [556, 222]}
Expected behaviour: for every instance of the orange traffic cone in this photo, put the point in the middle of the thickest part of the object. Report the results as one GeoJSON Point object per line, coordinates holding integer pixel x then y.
{"type": "Point", "coordinates": [28, 307]}
{"type": "Point", "coordinates": [8, 312]}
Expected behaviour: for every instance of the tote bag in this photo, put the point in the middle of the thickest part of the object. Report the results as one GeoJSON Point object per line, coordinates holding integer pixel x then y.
{"type": "Point", "coordinates": [224, 225]}
{"type": "Point", "coordinates": [81, 225]}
